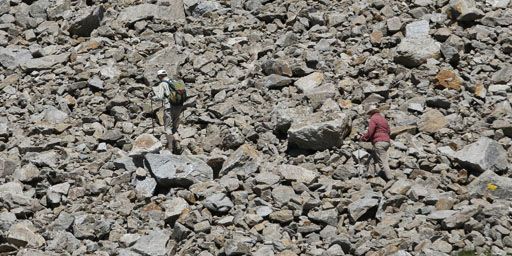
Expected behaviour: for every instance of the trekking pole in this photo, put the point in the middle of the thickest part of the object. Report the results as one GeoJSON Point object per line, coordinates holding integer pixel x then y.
{"type": "Point", "coordinates": [152, 112]}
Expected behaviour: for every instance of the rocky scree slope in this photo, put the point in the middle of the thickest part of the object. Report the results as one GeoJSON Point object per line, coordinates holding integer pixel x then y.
{"type": "Point", "coordinates": [268, 164]}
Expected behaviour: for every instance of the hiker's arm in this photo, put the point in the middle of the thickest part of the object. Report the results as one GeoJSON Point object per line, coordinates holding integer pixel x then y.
{"type": "Point", "coordinates": [371, 130]}
{"type": "Point", "coordinates": [158, 92]}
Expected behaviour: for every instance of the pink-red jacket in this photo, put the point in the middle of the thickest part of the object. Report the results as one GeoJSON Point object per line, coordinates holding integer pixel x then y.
{"type": "Point", "coordinates": [378, 129]}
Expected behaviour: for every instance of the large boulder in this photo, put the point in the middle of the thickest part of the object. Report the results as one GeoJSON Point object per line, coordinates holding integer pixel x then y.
{"type": "Point", "coordinates": [319, 131]}
{"type": "Point", "coordinates": [12, 57]}
{"type": "Point", "coordinates": [297, 173]}
{"type": "Point", "coordinates": [167, 58]}
{"type": "Point", "coordinates": [86, 21]}
{"type": "Point", "coordinates": [178, 171]}
{"type": "Point", "coordinates": [432, 121]}
{"type": "Point", "coordinates": [485, 154]}
{"type": "Point", "coordinates": [491, 184]}
{"type": "Point", "coordinates": [43, 63]}
{"type": "Point", "coordinates": [413, 52]}
{"type": "Point", "coordinates": [154, 243]}
{"type": "Point", "coordinates": [245, 160]}
{"type": "Point", "coordinates": [170, 13]}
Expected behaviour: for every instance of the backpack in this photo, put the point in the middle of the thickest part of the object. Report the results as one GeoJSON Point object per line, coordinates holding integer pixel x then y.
{"type": "Point", "coordinates": [178, 92]}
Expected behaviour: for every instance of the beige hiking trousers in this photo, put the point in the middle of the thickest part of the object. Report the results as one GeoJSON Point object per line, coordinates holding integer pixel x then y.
{"type": "Point", "coordinates": [380, 157]}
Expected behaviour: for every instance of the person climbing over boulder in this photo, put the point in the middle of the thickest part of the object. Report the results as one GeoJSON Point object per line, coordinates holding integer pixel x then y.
{"type": "Point", "coordinates": [171, 94]}
{"type": "Point", "coordinates": [378, 134]}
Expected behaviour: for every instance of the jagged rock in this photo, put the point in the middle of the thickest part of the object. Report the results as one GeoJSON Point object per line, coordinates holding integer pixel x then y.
{"type": "Point", "coordinates": [465, 10]}
{"type": "Point", "coordinates": [310, 82]}
{"type": "Point", "coordinates": [218, 203]}
{"type": "Point", "coordinates": [174, 207]}
{"type": "Point", "coordinates": [276, 67]}
{"type": "Point", "coordinates": [154, 243]}
{"type": "Point", "coordinates": [282, 216]}
{"type": "Point", "coordinates": [489, 183]}
{"type": "Point", "coordinates": [319, 131]}
{"type": "Point", "coordinates": [297, 173]}
{"type": "Point", "coordinates": [417, 29]}
{"type": "Point", "coordinates": [13, 57]}
{"type": "Point", "coordinates": [63, 222]}
{"type": "Point", "coordinates": [283, 116]}
{"type": "Point", "coordinates": [178, 171]}
{"type": "Point", "coordinates": [283, 194]}
{"type": "Point", "coordinates": [274, 81]}
{"type": "Point", "coordinates": [362, 206]}
{"type": "Point", "coordinates": [432, 121]}
{"type": "Point", "coordinates": [167, 58]}
{"type": "Point", "coordinates": [7, 167]}
{"type": "Point", "coordinates": [171, 13]}
{"type": "Point", "coordinates": [145, 186]}
{"type": "Point", "coordinates": [24, 234]}
{"type": "Point", "coordinates": [87, 20]}
{"type": "Point", "coordinates": [63, 241]}
{"type": "Point", "coordinates": [234, 247]}
{"type": "Point", "coordinates": [245, 159]}
{"type": "Point", "coordinates": [413, 52]}
{"type": "Point", "coordinates": [329, 217]}
{"type": "Point", "coordinates": [502, 76]}
{"type": "Point", "coordinates": [96, 83]}
{"type": "Point", "coordinates": [145, 143]}
{"type": "Point", "coordinates": [448, 79]}
{"type": "Point", "coordinates": [484, 154]}
{"type": "Point", "coordinates": [59, 8]}
{"type": "Point", "coordinates": [46, 62]}
{"type": "Point", "coordinates": [206, 6]}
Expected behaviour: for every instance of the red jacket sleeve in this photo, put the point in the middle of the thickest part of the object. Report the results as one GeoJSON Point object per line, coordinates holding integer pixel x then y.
{"type": "Point", "coordinates": [371, 130]}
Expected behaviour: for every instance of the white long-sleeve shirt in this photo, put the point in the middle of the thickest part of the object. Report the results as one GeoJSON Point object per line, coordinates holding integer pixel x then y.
{"type": "Point", "coordinates": [161, 90]}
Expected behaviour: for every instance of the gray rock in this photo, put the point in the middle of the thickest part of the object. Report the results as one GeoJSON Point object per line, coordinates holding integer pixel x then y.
{"type": "Point", "coordinates": [152, 244]}
{"type": "Point", "coordinates": [171, 13]}
{"type": "Point", "coordinates": [7, 219]}
{"type": "Point", "coordinates": [277, 67]}
{"type": "Point", "coordinates": [465, 10]}
{"type": "Point", "coordinates": [174, 207]}
{"type": "Point", "coordinates": [441, 214]}
{"type": "Point", "coordinates": [297, 173]}
{"type": "Point", "coordinates": [502, 76]}
{"type": "Point", "coordinates": [319, 131]}
{"type": "Point", "coordinates": [394, 24]}
{"type": "Point", "coordinates": [283, 116]}
{"type": "Point", "coordinates": [283, 194]}
{"type": "Point", "coordinates": [274, 81]}
{"type": "Point", "coordinates": [7, 167]}
{"type": "Point", "coordinates": [218, 202]}
{"type": "Point", "coordinates": [63, 241]}
{"type": "Point", "coordinates": [24, 234]}
{"type": "Point", "coordinates": [264, 211]}
{"type": "Point", "coordinates": [145, 186]}
{"type": "Point", "coordinates": [206, 6]}
{"type": "Point", "coordinates": [329, 217]}
{"type": "Point", "coordinates": [498, 3]}
{"type": "Point", "coordinates": [417, 29]}
{"type": "Point", "coordinates": [282, 216]}
{"type": "Point", "coordinates": [167, 58]}
{"type": "Point", "coordinates": [12, 57]}
{"type": "Point", "coordinates": [484, 154]}
{"type": "Point", "coordinates": [59, 8]}
{"type": "Point", "coordinates": [233, 247]}
{"type": "Point", "coordinates": [412, 52]}
{"type": "Point", "coordinates": [43, 63]}
{"type": "Point", "coordinates": [86, 20]}
{"type": "Point", "coordinates": [4, 6]}
{"type": "Point", "coordinates": [309, 82]}
{"type": "Point", "coordinates": [432, 121]}
{"type": "Point", "coordinates": [178, 171]}
{"type": "Point", "coordinates": [145, 143]}
{"type": "Point", "coordinates": [63, 222]}
{"type": "Point", "coordinates": [363, 206]}
{"type": "Point", "coordinates": [96, 83]}
{"type": "Point", "coordinates": [245, 160]}
{"type": "Point", "coordinates": [489, 183]}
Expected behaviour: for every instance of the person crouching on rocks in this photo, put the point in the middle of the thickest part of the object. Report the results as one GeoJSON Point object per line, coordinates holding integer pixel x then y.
{"type": "Point", "coordinates": [379, 135]}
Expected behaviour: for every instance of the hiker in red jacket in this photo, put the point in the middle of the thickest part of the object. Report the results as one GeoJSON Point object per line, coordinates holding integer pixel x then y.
{"type": "Point", "coordinates": [378, 134]}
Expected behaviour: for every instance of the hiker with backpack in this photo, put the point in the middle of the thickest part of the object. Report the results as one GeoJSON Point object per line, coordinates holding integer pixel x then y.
{"type": "Point", "coordinates": [379, 135]}
{"type": "Point", "coordinates": [172, 95]}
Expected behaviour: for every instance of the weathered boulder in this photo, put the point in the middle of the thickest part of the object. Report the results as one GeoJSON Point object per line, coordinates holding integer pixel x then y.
{"type": "Point", "coordinates": [491, 184]}
{"type": "Point", "coordinates": [465, 10]}
{"type": "Point", "coordinates": [154, 243]}
{"type": "Point", "coordinates": [309, 82]}
{"type": "Point", "coordinates": [24, 234]}
{"type": "Point", "coordinates": [167, 58]}
{"type": "Point", "coordinates": [485, 154]}
{"type": "Point", "coordinates": [218, 202]}
{"type": "Point", "coordinates": [46, 62]}
{"type": "Point", "coordinates": [169, 13]}
{"type": "Point", "coordinates": [86, 20]}
{"type": "Point", "coordinates": [177, 170]}
{"type": "Point", "coordinates": [274, 81]}
{"type": "Point", "coordinates": [319, 131]}
{"type": "Point", "coordinates": [145, 143]}
{"type": "Point", "coordinates": [432, 121]}
{"type": "Point", "coordinates": [413, 52]}
{"type": "Point", "coordinates": [297, 173]}
{"type": "Point", "coordinates": [245, 160]}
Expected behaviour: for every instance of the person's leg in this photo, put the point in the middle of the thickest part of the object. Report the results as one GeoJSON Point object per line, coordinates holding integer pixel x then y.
{"type": "Point", "coordinates": [381, 150]}
{"type": "Point", "coordinates": [175, 115]}
{"type": "Point", "coordinates": [168, 129]}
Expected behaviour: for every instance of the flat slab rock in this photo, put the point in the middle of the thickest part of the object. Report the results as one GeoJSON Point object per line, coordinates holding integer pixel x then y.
{"type": "Point", "coordinates": [484, 154]}
{"type": "Point", "coordinates": [177, 170]}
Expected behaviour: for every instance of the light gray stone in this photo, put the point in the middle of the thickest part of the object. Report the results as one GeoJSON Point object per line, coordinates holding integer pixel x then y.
{"type": "Point", "coordinates": [218, 202]}
{"type": "Point", "coordinates": [178, 171]}
{"type": "Point", "coordinates": [484, 154]}
{"type": "Point", "coordinates": [413, 52]}
{"type": "Point", "coordinates": [153, 244]}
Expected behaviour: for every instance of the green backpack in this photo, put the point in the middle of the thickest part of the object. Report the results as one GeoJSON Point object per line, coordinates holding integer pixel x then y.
{"type": "Point", "coordinates": [178, 92]}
